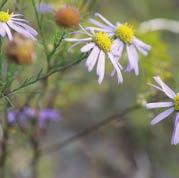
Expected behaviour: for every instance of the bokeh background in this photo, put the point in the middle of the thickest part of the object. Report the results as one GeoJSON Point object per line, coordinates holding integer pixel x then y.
{"type": "Point", "coordinates": [129, 147]}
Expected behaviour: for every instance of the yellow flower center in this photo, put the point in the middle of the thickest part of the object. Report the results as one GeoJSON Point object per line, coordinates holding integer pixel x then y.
{"type": "Point", "coordinates": [125, 32]}
{"type": "Point", "coordinates": [176, 102]}
{"type": "Point", "coordinates": [103, 41]}
{"type": "Point", "coordinates": [4, 16]}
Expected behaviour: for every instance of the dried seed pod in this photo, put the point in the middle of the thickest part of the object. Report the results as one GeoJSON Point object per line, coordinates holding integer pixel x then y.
{"type": "Point", "coordinates": [67, 16]}
{"type": "Point", "coordinates": [21, 50]}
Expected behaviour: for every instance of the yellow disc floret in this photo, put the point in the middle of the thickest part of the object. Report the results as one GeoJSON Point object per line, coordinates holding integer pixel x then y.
{"type": "Point", "coordinates": [125, 32]}
{"type": "Point", "coordinates": [103, 41]}
{"type": "Point", "coordinates": [4, 16]}
{"type": "Point", "coordinates": [176, 102]}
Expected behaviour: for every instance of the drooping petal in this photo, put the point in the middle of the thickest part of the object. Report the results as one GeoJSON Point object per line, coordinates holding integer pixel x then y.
{"type": "Point", "coordinates": [162, 116]}
{"type": "Point", "coordinates": [101, 67]}
{"type": "Point", "coordinates": [133, 58]}
{"type": "Point", "coordinates": [8, 32]}
{"type": "Point", "coordinates": [2, 30]}
{"type": "Point", "coordinates": [92, 58]}
{"type": "Point", "coordinates": [175, 135]}
{"type": "Point", "coordinates": [159, 105]}
{"type": "Point", "coordinates": [166, 89]}
{"type": "Point", "coordinates": [116, 67]}
{"type": "Point", "coordinates": [117, 48]}
{"type": "Point", "coordinates": [141, 46]}
{"type": "Point", "coordinates": [87, 47]}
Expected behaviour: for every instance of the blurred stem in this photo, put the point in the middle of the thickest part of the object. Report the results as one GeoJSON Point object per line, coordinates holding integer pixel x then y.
{"type": "Point", "coordinates": [36, 156]}
{"type": "Point", "coordinates": [90, 130]}
{"type": "Point", "coordinates": [40, 30]}
{"type": "Point", "coordinates": [4, 145]}
{"type": "Point", "coordinates": [3, 3]}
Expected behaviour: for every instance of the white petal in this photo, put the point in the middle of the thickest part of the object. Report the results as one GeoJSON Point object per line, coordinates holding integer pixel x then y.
{"type": "Point", "coordinates": [104, 20]}
{"type": "Point", "coordinates": [78, 40]}
{"type": "Point", "coordinates": [166, 89]}
{"type": "Point", "coordinates": [117, 48]}
{"type": "Point", "coordinates": [21, 30]}
{"type": "Point", "coordinates": [101, 67]}
{"type": "Point", "coordinates": [87, 47]}
{"type": "Point", "coordinates": [2, 30]}
{"type": "Point", "coordinates": [27, 27]}
{"type": "Point", "coordinates": [175, 135]}
{"type": "Point", "coordinates": [8, 32]}
{"type": "Point", "coordinates": [141, 46]}
{"type": "Point", "coordinates": [158, 88]}
{"type": "Point", "coordinates": [98, 29]}
{"type": "Point", "coordinates": [98, 24]}
{"type": "Point", "coordinates": [133, 58]}
{"type": "Point", "coordinates": [92, 58]}
{"type": "Point", "coordinates": [117, 68]}
{"type": "Point", "coordinates": [159, 105]}
{"type": "Point", "coordinates": [162, 116]}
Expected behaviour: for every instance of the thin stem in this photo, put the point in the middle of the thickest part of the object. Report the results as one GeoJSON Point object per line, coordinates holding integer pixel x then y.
{"type": "Point", "coordinates": [45, 76]}
{"type": "Point", "coordinates": [40, 28]}
{"type": "Point", "coordinates": [89, 130]}
{"type": "Point", "coordinates": [36, 156]}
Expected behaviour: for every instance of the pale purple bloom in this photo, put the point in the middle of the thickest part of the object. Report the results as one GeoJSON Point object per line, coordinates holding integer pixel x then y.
{"type": "Point", "coordinates": [26, 114]}
{"type": "Point", "coordinates": [124, 38]}
{"type": "Point", "coordinates": [45, 8]}
{"type": "Point", "coordinates": [48, 115]}
{"type": "Point", "coordinates": [15, 22]}
{"type": "Point", "coordinates": [98, 46]}
{"type": "Point", "coordinates": [172, 106]}
{"type": "Point", "coordinates": [11, 117]}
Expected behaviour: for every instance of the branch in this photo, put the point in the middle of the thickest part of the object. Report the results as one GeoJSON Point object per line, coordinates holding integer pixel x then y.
{"type": "Point", "coordinates": [89, 130]}
{"type": "Point", "coordinates": [39, 77]}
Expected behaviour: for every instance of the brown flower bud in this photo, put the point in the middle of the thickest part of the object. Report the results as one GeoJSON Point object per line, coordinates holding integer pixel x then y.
{"type": "Point", "coordinates": [67, 17]}
{"type": "Point", "coordinates": [21, 50]}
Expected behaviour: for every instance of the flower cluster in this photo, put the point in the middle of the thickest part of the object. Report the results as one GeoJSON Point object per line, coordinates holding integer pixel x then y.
{"type": "Point", "coordinates": [23, 116]}
{"type": "Point", "coordinates": [107, 39]}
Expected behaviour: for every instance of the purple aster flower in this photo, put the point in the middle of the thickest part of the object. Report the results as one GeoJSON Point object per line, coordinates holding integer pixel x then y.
{"type": "Point", "coordinates": [11, 117]}
{"type": "Point", "coordinates": [45, 8]}
{"type": "Point", "coordinates": [15, 22]}
{"type": "Point", "coordinates": [124, 38]}
{"type": "Point", "coordinates": [48, 115]}
{"type": "Point", "coordinates": [172, 106]}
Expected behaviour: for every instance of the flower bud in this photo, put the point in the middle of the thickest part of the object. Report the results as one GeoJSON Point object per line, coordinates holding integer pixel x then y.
{"type": "Point", "coordinates": [67, 17]}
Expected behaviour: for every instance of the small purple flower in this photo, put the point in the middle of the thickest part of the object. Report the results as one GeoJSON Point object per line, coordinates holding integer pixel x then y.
{"type": "Point", "coordinates": [48, 115]}
{"type": "Point", "coordinates": [173, 106]}
{"type": "Point", "coordinates": [45, 8]}
{"type": "Point", "coordinates": [26, 114]}
{"type": "Point", "coordinates": [11, 117]}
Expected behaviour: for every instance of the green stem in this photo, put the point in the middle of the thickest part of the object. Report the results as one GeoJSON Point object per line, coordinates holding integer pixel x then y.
{"type": "Point", "coordinates": [48, 74]}
{"type": "Point", "coordinates": [3, 4]}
